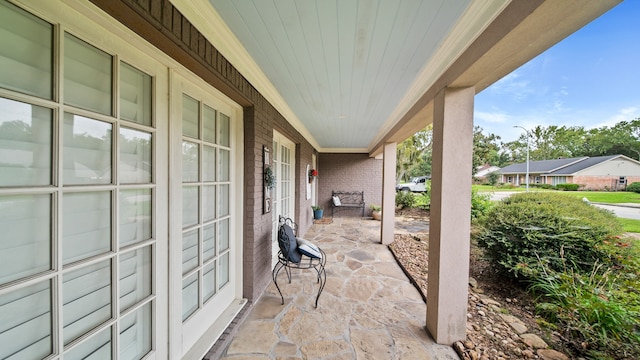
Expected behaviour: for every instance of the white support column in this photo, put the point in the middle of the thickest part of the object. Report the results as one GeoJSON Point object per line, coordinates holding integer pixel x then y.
{"type": "Point", "coordinates": [388, 193]}
{"type": "Point", "coordinates": [450, 221]}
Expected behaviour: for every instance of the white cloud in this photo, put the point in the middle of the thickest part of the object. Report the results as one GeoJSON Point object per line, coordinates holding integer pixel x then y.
{"type": "Point", "coordinates": [491, 117]}
{"type": "Point", "coordinates": [624, 114]}
{"type": "Point", "coordinates": [513, 85]}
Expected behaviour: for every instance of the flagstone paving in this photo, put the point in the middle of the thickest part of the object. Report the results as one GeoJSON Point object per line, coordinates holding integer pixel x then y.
{"type": "Point", "coordinates": [368, 309]}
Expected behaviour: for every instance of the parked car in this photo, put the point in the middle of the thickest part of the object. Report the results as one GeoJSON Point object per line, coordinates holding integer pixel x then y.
{"type": "Point", "coordinates": [417, 184]}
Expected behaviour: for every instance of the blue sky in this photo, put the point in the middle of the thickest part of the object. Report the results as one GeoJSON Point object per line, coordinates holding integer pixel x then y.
{"type": "Point", "coordinates": [590, 79]}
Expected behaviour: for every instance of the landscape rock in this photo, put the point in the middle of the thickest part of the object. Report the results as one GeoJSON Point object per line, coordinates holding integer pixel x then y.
{"type": "Point", "coordinates": [534, 341]}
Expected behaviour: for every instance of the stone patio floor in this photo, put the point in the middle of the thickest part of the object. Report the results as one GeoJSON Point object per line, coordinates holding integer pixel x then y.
{"type": "Point", "coordinates": [368, 309]}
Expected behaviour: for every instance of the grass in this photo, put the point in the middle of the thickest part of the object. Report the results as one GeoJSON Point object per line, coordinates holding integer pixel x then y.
{"type": "Point", "coordinates": [489, 188]}
{"type": "Point", "coordinates": [630, 225]}
{"type": "Point", "coordinates": [611, 197]}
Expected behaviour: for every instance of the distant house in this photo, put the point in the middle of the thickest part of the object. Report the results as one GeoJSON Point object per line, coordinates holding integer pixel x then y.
{"type": "Point", "coordinates": [483, 171]}
{"type": "Point", "coordinates": [612, 172]}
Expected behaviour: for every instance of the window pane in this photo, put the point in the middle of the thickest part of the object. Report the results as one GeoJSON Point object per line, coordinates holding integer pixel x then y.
{"type": "Point", "coordinates": [135, 276]}
{"type": "Point", "coordinates": [189, 296]}
{"type": "Point", "coordinates": [190, 205]}
{"type": "Point", "coordinates": [224, 167]}
{"type": "Point", "coordinates": [135, 156]}
{"type": "Point", "coordinates": [209, 124]}
{"type": "Point", "coordinates": [25, 243]}
{"type": "Point", "coordinates": [87, 76]}
{"type": "Point", "coordinates": [86, 299]}
{"type": "Point", "coordinates": [223, 270]}
{"type": "Point", "coordinates": [135, 95]}
{"type": "Point", "coordinates": [135, 334]}
{"type": "Point", "coordinates": [25, 144]}
{"type": "Point", "coordinates": [189, 251]}
{"type": "Point", "coordinates": [190, 161]}
{"type": "Point", "coordinates": [190, 117]}
{"type": "Point", "coordinates": [209, 282]}
{"type": "Point", "coordinates": [25, 48]}
{"type": "Point", "coordinates": [87, 150]}
{"type": "Point", "coordinates": [25, 329]}
{"type": "Point", "coordinates": [209, 241]}
{"type": "Point", "coordinates": [224, 137]}
{"type": "Point", "coordinates": [135, 216]}
{"type": "Point", "coordinates": [97, 347]}
{"type": "Point", "coordinates": [208, 163]}
{"type": "Point", "coordinates": [86, 226]}
{"type": "Point", "coordinates": [208, 203]}
{"type": "Point", "coordinates": [224, 234]}
{"type": "Point", "coordinates": [223, 200]}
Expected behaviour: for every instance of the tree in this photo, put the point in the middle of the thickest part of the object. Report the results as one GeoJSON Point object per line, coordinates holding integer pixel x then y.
{"type": "Point", "coordinates": [413, 156]}
{"type": "Point", "coordinates": [486, 148]}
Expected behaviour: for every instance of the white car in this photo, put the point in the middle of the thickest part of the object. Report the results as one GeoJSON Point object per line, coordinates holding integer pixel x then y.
{"type": "Point", "coordinates": [417, 184]}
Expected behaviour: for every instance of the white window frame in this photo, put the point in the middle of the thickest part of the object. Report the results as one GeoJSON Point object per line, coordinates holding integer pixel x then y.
{"type": "Point", "coordinates": [193, 337]}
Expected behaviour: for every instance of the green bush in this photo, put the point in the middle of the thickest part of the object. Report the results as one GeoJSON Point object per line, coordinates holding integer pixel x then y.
{"type": "Point", "coordinates": [423, 201]}
{"type": "Point", "coordinates": [480, 204]}
{"type": "Point", "coordinates": [568, 187]}
{"type": "Point", "coordinates": [634, 187]}
{"type": "Point", "coordinates": [542, 186]}
{"type": "Point", "coordinates": [527, 229]}
{"type": "Point", "coordinates": [404, 199]}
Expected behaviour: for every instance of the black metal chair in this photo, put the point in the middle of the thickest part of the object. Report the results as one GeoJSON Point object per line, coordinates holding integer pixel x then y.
{"type": "Point", "coordinates": [291, 257]}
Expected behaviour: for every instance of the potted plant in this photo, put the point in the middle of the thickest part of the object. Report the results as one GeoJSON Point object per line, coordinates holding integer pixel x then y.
{"type": "Point", "coordinates": [376, 212]}
{"type": "Point", "coordinates": [317, 212]}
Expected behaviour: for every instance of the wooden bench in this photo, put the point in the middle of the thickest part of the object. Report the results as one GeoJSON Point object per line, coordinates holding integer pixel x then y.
{"type": "Point", "coordinates": [347, 200]}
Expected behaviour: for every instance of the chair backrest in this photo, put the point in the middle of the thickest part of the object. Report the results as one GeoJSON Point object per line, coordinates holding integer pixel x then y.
{"type": "Point", "coordinates": [287, 240]}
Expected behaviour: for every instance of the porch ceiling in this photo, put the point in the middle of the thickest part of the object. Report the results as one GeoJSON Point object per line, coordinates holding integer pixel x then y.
{"type": "Point", "coordinates": [351, 75]}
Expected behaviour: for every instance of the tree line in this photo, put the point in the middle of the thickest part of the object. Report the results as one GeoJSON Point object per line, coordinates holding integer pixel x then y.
{"type": "Point", "coordinates": [545, 142]}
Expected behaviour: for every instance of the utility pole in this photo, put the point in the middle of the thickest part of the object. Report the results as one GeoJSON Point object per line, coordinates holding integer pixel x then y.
{"type": "Point", "coordinates": [527, 173]}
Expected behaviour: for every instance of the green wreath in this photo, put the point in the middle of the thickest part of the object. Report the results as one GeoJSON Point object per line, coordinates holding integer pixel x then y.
{"type": "Point", "coordinates": [269, 178]}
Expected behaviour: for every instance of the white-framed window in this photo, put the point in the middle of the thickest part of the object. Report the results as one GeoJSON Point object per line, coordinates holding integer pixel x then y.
{"type": "Point", "coordinates": [78, 194]}
{"type": "Point", "coordinates": [283, 193]}
{"type": "Point", "coordinates": [204, 235]}
{"type": "Point", "coordinates": [555, 180]}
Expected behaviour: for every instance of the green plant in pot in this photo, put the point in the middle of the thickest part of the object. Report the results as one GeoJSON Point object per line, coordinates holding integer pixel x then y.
{"type": "Point", "coordinates": [376, 212]}
{"type": "Point", "coordinates": [317, 212]}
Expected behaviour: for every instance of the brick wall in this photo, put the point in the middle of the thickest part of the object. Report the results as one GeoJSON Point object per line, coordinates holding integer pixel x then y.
{"type": "Point", "coordinates": [601, 182]}
{"type": "Point", "coordinates": [349, 172]}
{"type": "Point", "coordinates": [162, 25]}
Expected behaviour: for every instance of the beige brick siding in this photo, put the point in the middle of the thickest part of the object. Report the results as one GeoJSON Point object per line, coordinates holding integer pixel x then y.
{"type": "Point", "coordinates": [590, 182]}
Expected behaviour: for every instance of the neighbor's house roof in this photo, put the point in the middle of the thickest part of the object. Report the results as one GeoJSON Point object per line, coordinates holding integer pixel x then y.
{"type": "Point", "coordinates": [559, 166]}
{"type": "Point", "coordinates": [485, 170]}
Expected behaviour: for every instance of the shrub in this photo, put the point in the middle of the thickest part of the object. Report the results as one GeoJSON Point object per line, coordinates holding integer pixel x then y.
{"type": "Point", "coordinates": [542, 186]}
{"type": "Point", "coordinates": [423, 201]}
{"type": "Point", "coordinates": [568, 187]}
{"type": "Point", "coordinates": [529, 229]}
{"type": "Point", "coordinates": [480, 204]}
{"type": "Point", "coordinates": [404, 199]}
{"type": "Point", "coordinates": [634, 187]}
{"type": "Point", "coordinates": [492, 178]}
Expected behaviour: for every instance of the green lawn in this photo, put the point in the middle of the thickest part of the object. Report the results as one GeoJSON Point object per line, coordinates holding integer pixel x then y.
{"type": "Point", "coordinates": [630, 225]}
{"type": "Point", "coordinates": [489, 188]}
{"type": "Point", "coordinates": [611, 197]}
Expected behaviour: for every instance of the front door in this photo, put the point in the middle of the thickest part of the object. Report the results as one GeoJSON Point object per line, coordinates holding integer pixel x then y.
{"type": "Point", "coordinates": [283, 191]}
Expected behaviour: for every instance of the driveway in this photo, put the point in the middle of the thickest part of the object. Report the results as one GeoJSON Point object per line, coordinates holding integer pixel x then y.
{"type": "Point", "coordinates": [625, 211]}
